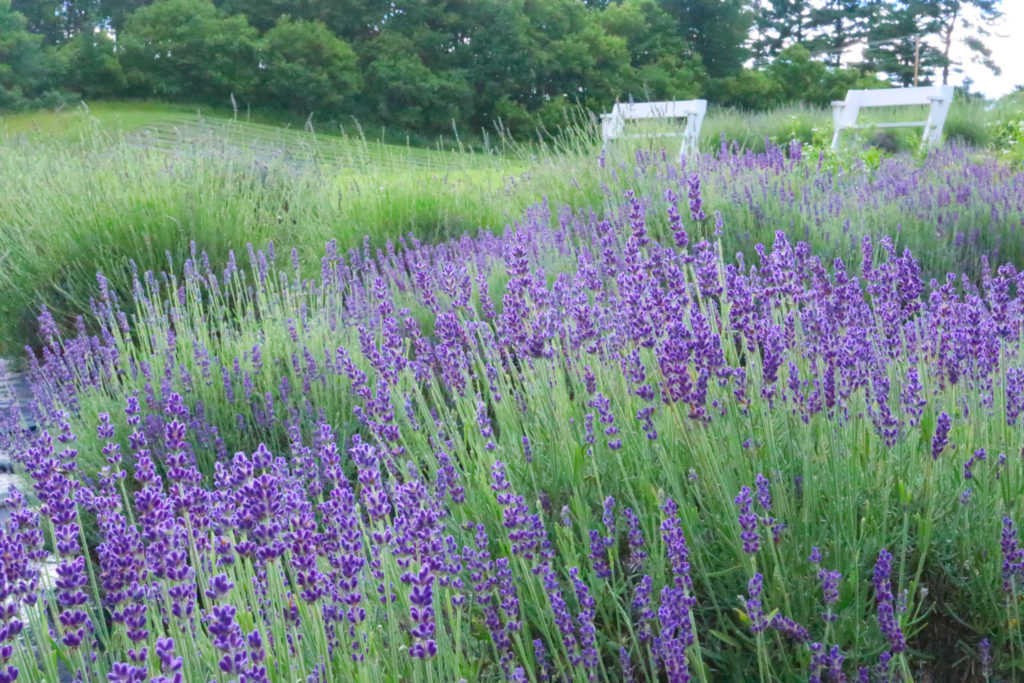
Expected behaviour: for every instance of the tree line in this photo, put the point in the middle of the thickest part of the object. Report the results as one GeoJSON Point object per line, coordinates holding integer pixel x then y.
{"type": "Point", "coordinates": [425, 64]}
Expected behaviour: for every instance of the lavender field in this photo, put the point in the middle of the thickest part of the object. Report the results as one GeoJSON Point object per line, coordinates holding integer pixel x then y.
{"type": "Point", "coordinates": [755, 418]}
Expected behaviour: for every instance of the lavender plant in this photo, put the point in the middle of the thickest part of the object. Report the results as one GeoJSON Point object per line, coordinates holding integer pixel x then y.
{"type": "Point", "coordinates": [517, 457]}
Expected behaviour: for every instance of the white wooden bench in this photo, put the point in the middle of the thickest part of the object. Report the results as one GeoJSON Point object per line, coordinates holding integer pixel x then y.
{"type": "Point", "coordinates": [613, 125]}
{"type": "Point", "coordinates": [936, 97]}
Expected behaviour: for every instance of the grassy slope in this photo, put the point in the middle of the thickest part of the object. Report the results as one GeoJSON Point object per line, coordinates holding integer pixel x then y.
{"type": "Point", "coordinates": [86, 189]}
{"type": "Point", "coordinates": [167, 125]}
{"type": "Point", "coordinates": [69, 124]}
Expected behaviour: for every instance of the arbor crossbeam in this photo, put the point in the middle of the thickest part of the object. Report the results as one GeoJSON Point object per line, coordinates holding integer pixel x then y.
{"type": "Point", "coordinates": [613, 125]}
{"type": "Point", "coordinates": [937, 97]}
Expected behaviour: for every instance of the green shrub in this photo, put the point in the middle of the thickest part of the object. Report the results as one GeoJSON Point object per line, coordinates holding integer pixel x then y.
{"type": "Point", "coordinates": [24, 67]}
{"type": "Point", "coordinates": [89, 66]}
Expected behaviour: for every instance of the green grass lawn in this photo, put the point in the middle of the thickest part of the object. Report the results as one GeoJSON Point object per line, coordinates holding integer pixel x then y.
{"type": "Point", "coordinates": [174, 127]}
{"type": "Point", "coordinates": [71, 123]}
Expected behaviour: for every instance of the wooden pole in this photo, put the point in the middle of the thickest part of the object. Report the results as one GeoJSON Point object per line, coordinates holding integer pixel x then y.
{"type": "Point", "coordinates": [917, 58]}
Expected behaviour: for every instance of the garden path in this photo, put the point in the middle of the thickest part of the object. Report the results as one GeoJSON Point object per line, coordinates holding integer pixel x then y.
{"type": "Point", "coordinates": [13, 390]}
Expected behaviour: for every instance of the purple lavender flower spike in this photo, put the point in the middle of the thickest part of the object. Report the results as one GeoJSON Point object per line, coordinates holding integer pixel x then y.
{"type": "Point", "coordinates": [585, 620]}
{"type": "Point", "coordinates": [1013, 557]}
{"type": "Point", "coordinates": [637, 551]}
{"type": "Point", "coordinates": [748, 521]}
{"type": "Point", "coordinates": [830, 592]}
{"type": "Point", "coordinates": [941, 438]}
{"type": "Point", "coordinates": [789, 628]}
{"type": "Point", "coordinates": [887, 621]}
{"type": "Point", "coordinates": [764, 496]}
{"type": "Point", "coordinates": [754, 610]}
{"type": "Point", "coordinates": [678, 553]}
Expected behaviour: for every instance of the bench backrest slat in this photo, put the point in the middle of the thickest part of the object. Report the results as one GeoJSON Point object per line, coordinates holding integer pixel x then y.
{"type": "Point", "coordinates": [937, 97]}
{"type": "Point", "coordinates": [613, 124]}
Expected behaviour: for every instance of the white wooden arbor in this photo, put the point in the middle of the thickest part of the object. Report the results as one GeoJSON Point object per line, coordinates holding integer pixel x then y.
{"type": "Point", "coordinates": [936, 97]}
{"type": "Point", "coordinates": [613, 125]}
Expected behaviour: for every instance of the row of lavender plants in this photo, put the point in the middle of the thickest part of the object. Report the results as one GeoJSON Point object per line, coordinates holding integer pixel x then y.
{"type": "Point", "coordinates": [951, 208]}
{"type": "Point", "coordinates": [567, 452]}
{"type": "Point", "coordinates": [90, 210]}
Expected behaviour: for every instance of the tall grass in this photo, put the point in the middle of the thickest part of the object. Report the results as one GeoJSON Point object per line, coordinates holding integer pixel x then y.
{"type": "Point", "coordinates": [750, 130]}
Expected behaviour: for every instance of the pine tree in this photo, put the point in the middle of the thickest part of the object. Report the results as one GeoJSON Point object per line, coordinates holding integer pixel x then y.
{"type": "Point", "coordinates": [717, 29]}
{"type": "Point", "coordinates": [834, 26]}
{"type": "Point", "coordinates": [779, 23]}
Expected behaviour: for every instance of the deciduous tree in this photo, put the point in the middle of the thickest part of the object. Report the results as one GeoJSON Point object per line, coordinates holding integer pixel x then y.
{"type": "Point", "coordinates": [306, 67]}
{"type": "Point", "coordinates": [59, 21]}
{"type": "Point", "coordinates": [187, 49]}
{"type": "Point", "coordinates": [23, 64]}
{"type": "Point", "coordinates": [88, 65]}
{"type": "Point", "coordinates": [717, 29]}
{"type": "Point", "coordinates": [664, 65]}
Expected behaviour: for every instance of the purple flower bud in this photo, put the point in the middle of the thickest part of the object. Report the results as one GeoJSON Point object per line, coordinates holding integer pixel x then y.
{"type": "Point", "coordinates": [754, 610]}
{"type": "Point", "coordinates": [748, 521]}
{"type": "Point", "coordinates": [941, 437]}
{"type": "Point", "coordinates": [764, 496]}
{"type": "Point", "coordinates": [887, 621]}
{"type": "Point", "coordinates": [985, 655]}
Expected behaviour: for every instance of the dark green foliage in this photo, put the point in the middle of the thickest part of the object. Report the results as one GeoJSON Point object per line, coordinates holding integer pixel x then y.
{"type": "Point", "coordinates": [406, 91]}
{"type": "Point", "coordinates": [500, 63]}
{"type": "Point", "coordinates": [58, 21]}
{"type": "Point", "coordinates": [348, 19]}
{"type": "Point", "coordinates": [263, 14]}
{"type": "Point", "coordinates": [802, 79]}
{"type": "Point", "coordinates": [750, 90]}
{"type": "Point", "coordinates": [187, 49]}
{"type": "Point", "coordinates": [780, 23]}
{"type": "Point", "coordinates": [572, 56]}
{"type": "Point", "coordinates": [793, 76]}
{"type": "Point", "coordinates": [24, 67]}
{"type": "Point", "coordinates": [88, 65]}
{"type": "Point", "coordinates": [955, 18]}
{"type": "Point", "coordinates": [901, 33]}
{"type": "Point", "coordinates": [307, 66]}
{"type": "Point", "coordinates": [894, 33]}
{"type": "Point", "coordinates": [717, 29]}
{"type": "Point", "coordinates": [836, 24]}
{"type": "Point", "coordinates": [666, 67]}
{"type": "Point", "coordinates": [799, 76]}
{"type": "Point", "coordinates": [117, 11]}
